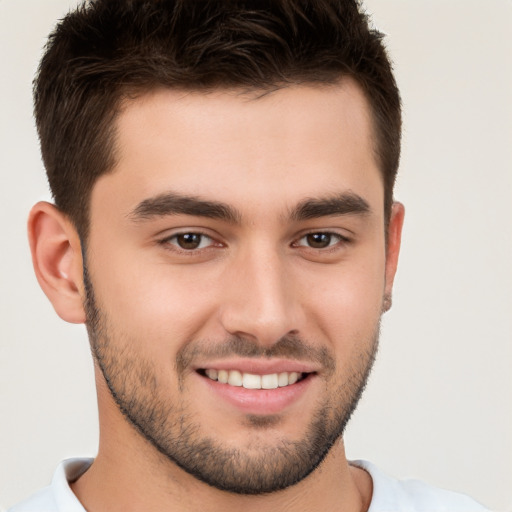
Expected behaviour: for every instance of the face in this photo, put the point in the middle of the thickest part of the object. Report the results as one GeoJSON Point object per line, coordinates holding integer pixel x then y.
{"type": "Point", "coordinates": [236, 272]}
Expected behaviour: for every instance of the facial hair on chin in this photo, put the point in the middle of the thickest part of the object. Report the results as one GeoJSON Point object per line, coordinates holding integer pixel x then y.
{"type": "Point", "coordinates": [166, 424]}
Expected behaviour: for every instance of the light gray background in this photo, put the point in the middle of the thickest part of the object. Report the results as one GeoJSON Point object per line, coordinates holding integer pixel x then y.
{"type": "Point", "coordinates": [439, 403]}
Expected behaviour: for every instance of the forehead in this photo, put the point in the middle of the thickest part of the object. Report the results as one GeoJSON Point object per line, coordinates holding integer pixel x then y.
{"type": "Point", "coordinates": [242, 148]}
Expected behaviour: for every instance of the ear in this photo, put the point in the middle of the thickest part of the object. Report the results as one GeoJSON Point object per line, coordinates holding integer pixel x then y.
{"type": "Point", "coordinates": [57, 259]}
{"type": "Point", "coordinates": [394, 237]}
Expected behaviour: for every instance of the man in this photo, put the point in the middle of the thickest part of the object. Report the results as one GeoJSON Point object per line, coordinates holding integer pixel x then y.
{"type": "Point", "coordinates": [224, 225]}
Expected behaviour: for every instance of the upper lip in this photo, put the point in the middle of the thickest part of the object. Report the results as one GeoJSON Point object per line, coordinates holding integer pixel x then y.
{"type": "Point", "coordinates": [259, 366]}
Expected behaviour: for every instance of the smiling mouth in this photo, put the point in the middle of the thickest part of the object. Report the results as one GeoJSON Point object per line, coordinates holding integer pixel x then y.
{"type": "Point", "coordinates": [252, 381]}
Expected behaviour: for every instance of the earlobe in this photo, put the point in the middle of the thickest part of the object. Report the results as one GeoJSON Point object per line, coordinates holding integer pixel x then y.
{"type": "Point", "coordinates": [394, 238]}
{"type": "Point", "coordinates": [57, 260]}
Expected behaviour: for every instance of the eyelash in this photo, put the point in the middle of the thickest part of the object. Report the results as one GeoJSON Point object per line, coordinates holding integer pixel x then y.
{"type": "Point", "coordinates": [166, 242]}
{"type": "Point", "coordinates": [340, 240]}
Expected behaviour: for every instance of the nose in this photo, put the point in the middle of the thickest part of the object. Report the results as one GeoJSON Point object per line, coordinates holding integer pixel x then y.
{"type": "Point", "coordinates": [260, 299]}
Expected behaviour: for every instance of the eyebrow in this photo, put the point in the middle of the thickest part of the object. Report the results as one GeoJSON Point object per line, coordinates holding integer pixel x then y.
{"type": "Point", "coordinates": [177, 204]}
{"type": "Point", "coordinates": [347, 203]}
{"type": "Point", "coordinates": [171, 203]}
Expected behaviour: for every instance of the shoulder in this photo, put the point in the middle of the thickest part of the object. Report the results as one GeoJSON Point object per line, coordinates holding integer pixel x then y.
{"type": "Point", "coordinates": [392, 495]}
{"type": "Point", "coordinates": [57, 497]}
{"type": "Point", "coordinates": [41, 501]}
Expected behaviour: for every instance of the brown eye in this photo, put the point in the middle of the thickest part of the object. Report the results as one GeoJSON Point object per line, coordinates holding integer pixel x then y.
{"type": "Point", "coordinates": [190, 241]}
{"type": "Point", "coordinates": [319, 240]}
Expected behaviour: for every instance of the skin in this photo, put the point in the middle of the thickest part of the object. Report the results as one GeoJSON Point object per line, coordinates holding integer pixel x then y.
{"type": "Point", "coordinates": [254, 276]}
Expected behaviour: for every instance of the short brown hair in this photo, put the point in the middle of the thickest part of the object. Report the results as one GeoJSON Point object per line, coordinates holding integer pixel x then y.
{"type": "Point", "coordinates": [106, 50]}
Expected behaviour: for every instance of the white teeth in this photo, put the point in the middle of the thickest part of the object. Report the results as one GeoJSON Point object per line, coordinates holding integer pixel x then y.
{"type": "Point", "coordinates": [235, 378]}
{"type": "Point", "coordinates": [252, 381]}
{"type": "Point", "coordinates": [213, 374]}
{"type": "Point", "coordinates": [282, 380]}
{"type": "Point", "coordinates": [269, 381]}
{"type": "Point", "coordinates": [293, 378]}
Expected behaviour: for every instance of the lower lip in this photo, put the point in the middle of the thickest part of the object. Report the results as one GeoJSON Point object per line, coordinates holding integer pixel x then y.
{"type": "Point", "coordinates": [260, 401]}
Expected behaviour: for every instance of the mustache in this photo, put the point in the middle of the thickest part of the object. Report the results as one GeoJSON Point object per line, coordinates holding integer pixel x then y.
{"type": "Point", "coordinates": [289, 346]}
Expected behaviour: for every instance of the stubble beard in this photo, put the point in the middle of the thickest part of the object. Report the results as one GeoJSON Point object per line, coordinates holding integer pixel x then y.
{"type": "Point", "coordinates": [164, 422]}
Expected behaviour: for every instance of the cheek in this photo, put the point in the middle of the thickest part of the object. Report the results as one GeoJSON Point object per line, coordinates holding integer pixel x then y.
{"type": "Point", "coordinates": [156, 307]}
{"type": "Point", "coordinates": [346, 302]}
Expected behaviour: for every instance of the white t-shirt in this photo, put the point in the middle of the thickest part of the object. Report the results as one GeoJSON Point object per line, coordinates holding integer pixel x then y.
{"type": "Point", "coordinates": [389, 494]}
